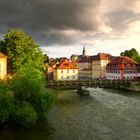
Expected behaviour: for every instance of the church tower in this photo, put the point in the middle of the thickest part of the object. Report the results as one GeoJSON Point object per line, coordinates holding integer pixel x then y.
{"type": "Point", "coordinates": [84, 51]}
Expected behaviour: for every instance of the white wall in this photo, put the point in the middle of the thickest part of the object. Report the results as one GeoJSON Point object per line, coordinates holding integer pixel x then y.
{"type": "Point", "coordinates": [118, 75]}
{"type": "Point", "coordinates": [66, 74]}
{"type": "Point", "coordinates": [113, 75]}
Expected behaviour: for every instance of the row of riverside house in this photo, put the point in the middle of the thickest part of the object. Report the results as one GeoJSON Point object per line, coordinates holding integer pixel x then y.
{"type": "Point", "coordinates": [100, 66]}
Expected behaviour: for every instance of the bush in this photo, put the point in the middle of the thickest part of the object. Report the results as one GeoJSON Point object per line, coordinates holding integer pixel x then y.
{"type": "Point", "coordinates": [3, 88]}
{"type": "Point", "coordinates": [6, 103]}
{"type": "Point", "coordinates": [42, 102]}
{"type": "Point", "coordinates": [26, 84]}
{"type": "Point", "coordinates": [25, 115]}
{"type": "Point", "coordinates": [6, 108]}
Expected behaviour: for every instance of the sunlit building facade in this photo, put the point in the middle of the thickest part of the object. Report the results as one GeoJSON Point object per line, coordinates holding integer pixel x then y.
{"type": "Point", "coordinates": [122, 67]}
{"type": "Point", "coordinates": [3, 66]}
{"type": "Point", "coordinates": [66, 70]}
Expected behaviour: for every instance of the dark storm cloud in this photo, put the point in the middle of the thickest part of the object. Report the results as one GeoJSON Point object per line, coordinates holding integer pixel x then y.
{"type": "Point", "coordinates": [47, 20]}
{"type": "Point", "coordinates": [38, 17]}
{"type": "Point", "coordinates": [65, 13]}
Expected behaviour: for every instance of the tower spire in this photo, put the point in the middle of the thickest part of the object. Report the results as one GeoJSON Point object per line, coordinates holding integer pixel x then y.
{"type": "Point", "coordinates": [84, 51]}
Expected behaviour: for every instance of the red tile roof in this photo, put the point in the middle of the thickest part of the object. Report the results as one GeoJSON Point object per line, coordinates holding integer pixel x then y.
{"type": "Point", "coordinates": [66, 64]}
{"type": "Point", "coordinates": [123, 59]}
{"type": "Point", "coordinates": [85, 59]}
{"type": "Point", "coordinates": [99, 56]}
{"type": "Point", "coordinates": [102, 56]}
{"type": "Point", "coordinates": [2, 55]}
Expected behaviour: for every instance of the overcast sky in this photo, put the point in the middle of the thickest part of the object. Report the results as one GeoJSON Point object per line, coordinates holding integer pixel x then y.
{"type": "Point", "coordinates": [62, 27]}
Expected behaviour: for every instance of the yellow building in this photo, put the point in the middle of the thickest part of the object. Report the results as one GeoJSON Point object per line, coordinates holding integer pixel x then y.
{"type": "Point", "coordinates": [66, 70]}
{"type": "Point", "coordinates": [3, 66]}
{"type": "Point", "coordinates": [99, 63]}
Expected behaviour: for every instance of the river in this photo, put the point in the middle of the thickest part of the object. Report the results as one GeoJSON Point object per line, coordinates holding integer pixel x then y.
{"type": "Point", "coordinates": [105, 115]}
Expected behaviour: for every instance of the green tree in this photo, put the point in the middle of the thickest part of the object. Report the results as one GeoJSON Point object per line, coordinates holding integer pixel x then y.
{"type": "Point", "coordinates": [132, 53]}
{"type": "Point", "coordinates": [46, 58]}
{"type": "Point", "coordinates": [28, 85]}
{"type": "Point", "coordinates": [21, 49]}
{"type": "Point", "coordinates": [24, 98]}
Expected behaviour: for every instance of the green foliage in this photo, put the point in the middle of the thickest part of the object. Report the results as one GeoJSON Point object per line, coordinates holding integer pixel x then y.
{"type": "Point", "coordinates": [6, 104]}
{"type": "Point", "coordinates": [42, 102]}
{"type": "Point", "coordinates": [25, 115]}
{"type": "Point", "coordinates": [132, 53]}
{"type": "Point", "coordinates": [46, 58]}
{"type": "Point", "coordinates": [28, 85]}
{"type": "Point", "coordinates": [24, 99]}
{"type": "Point", "coordinates": [21, 49]}
{"type": "Point", "coordinates": [3, 88]}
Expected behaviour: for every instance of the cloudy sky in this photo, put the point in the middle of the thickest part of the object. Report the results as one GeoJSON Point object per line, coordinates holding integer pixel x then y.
{"type": "Point", "coordinates": [62, 27]}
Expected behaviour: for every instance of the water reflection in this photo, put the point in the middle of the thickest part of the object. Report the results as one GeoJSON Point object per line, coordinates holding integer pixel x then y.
{"type": "Point", "coordinates": [41, 131]}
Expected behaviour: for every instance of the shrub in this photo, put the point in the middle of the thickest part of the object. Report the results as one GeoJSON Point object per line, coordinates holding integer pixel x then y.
{"type": "Point", "coordinates": [6, 103]}
{"type": "Point", "coordinates": [6, 108]}
{"type": "Point", "coordinates": [3, 88]}
{"type": "Point", "coordinates": [26, 84]}
{"type": "Point", "coordinates": [25, 115]}
{"type": "Point", "coordinates": [42, 102]}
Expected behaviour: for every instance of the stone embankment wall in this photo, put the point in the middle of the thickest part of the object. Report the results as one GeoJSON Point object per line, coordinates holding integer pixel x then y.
{"type": "Point", "coordinates": [134, 86]}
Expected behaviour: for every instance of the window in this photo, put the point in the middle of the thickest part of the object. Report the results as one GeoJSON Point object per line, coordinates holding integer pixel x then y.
{"type": "Point", "coordinates": [62, 77]}
{"type": "Point", "coordinates": [73, 77]}
{"type": "Point", "coordinates": [67, 71]}
{"type": "Point", "coordinates": [73, 71]}
{"type": "Point", "coordinates": [67, 77]}
{"type": "Point", "coordinates": [124, 65]}
{"type": "Point", "coordinates": [66, 64]}
{"type": "Point", "coordinates": [61, 71]}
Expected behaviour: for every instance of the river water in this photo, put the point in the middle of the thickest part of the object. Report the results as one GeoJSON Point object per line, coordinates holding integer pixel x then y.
{"type": "Point", "coordinates": [105, 115]}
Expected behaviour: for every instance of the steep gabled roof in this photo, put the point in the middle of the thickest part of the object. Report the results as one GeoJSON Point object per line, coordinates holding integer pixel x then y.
{"type": "Point", "coordinates": [2, 55]}
{"type": "Point", "coordinates": [66, 64]}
